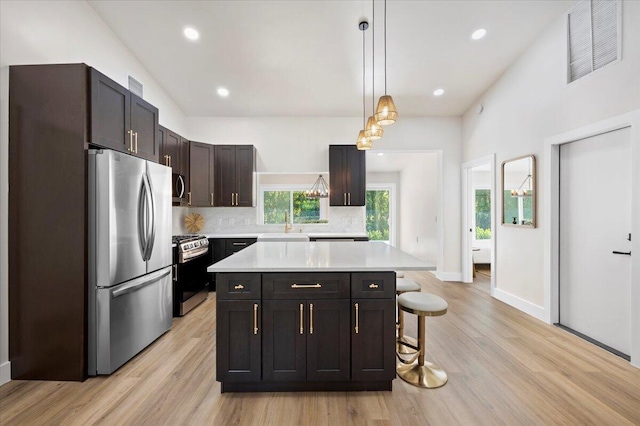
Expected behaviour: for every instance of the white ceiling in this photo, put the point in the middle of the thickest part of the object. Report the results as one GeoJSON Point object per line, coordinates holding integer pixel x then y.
{"type": "Point", "coordinates": [304, 58]}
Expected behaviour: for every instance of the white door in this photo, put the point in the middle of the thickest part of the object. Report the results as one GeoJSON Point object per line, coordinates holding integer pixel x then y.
{"type": "Point", "coordinates": [595, 221]}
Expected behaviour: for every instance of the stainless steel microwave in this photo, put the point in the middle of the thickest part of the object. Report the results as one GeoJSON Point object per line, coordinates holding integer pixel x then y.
{"type": "Point", "coordinates": [178, 185]}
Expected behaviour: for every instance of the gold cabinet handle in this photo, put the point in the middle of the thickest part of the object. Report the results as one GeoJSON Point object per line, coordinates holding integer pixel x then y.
{"type": "Point", "coordinates": [130, 133]}
{"type": "Point", "coordinates": [169, 161]}
{"type": "Point", "coordinates": [372, 285]}
{"type": "Point", "coordinates": [317, 285]}
{"type": "Point", "coordinates": [255, 318]}
{"type": "Point", "coordinates": [357, 319]}
{"type": "Point", "coordinates": [236, 198]}
{"type": "Point", "coordinates": [232, 198]}
{"type": "Point", "coordinates": [135, 136]}
{"type": "Point", "coordinates": [310, 318]}
{"type": "Point", "coordinates": [212, 198]}
{"type": "Point", "coordinates": [302, 318]}
{"type": "Point", "coordinates": [189, 198]}
{"type": "Point", "coordinates": [238, 287]}
{"type": "Point", "coordinates": [345, 199]}
{"type": "Point", "coordinates": [348, 193]}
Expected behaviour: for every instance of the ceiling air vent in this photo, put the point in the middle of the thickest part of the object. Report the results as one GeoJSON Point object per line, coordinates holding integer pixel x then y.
{"type": "Point", "coordinates": [135, 86]}
{"type": "Point", "coordinates": [593, 34]}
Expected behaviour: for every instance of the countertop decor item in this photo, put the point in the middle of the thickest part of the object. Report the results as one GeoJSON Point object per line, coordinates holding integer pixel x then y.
{"type": "Point", "coordinates": [194, 222]}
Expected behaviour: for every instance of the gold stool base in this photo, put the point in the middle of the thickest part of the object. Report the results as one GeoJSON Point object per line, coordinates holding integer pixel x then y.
{"type": "Point", "coordinates": [423, 376]}
{"type": "Point", "coordinates": [405, 350]}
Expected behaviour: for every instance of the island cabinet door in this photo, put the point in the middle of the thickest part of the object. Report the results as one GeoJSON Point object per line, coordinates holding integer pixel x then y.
{"type": "Point", "coordinates": [373, 339]}
{"type": "Point", "coordinates": [328, 342]}
{"type": "Point", "coordinates": [284, 341]}
{"type": "Point", "coordinates": [238, 336]}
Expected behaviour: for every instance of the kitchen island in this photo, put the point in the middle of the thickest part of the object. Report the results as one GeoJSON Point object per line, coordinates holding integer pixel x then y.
{"type": "Point", "coordinates": [308, 316]}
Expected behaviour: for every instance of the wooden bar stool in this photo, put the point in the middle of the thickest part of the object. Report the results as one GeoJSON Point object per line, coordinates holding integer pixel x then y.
{"type": "Point", "coordinates": [422, 373]}
{"type": "Point", "coordinates": [404, 345]}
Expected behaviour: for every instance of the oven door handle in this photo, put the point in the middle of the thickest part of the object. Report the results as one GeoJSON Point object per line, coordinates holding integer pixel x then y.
{"type": "Point", "coordinates": [141, 282]}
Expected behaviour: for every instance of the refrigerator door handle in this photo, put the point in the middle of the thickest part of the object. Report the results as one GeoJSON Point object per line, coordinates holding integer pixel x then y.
{"type": "Point", "coordinates": [142, 218]}
{"type": "Point", "coordinates": [141, 282]}
{"type": "Point", "coordinates": [151, 232]}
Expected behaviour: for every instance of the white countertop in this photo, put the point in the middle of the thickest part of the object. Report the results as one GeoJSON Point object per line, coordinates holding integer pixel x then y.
{"type": "Point", "coordinates": [310, 234]}
{"type": "Point", "coordinates": [320, 257]}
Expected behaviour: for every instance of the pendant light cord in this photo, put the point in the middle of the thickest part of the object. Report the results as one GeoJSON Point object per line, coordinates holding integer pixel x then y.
{"type": "Point", "coordinates": [373, 58]}
{"type": "Point", "coordinates": [385, 47]}
{"type": "Point", "coordinates": [364, 113]}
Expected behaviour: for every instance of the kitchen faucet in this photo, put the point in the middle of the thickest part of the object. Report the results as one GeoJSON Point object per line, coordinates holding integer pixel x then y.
{"type": "Point", "coordinates": [287, 225]}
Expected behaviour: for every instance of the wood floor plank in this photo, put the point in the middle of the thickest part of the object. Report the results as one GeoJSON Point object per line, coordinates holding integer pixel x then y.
{"type": "Point", "coordinates": [504, 367]}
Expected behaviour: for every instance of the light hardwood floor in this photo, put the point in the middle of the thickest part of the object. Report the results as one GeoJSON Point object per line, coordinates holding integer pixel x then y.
{"type": "Point", "coordinates": [504, 367]}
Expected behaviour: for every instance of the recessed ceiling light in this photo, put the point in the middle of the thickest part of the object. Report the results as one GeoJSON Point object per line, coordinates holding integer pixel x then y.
{"type": "Point", "coordinates": [479, 33]}
{"type": "Point", "coordinates": [438, 92]}
{"type": "Point", "coordinates": [191, 33]}
{"type": "Point", "coordinates": [380, 154]}
{"type": "Point", "coordinates": [223, 92]}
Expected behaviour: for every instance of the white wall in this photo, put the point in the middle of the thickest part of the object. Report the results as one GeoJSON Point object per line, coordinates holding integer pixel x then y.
{"type": "Point", "coordinates": [530, 102]}
{"type": "Point", "coordinates": [418, 210]}
{"type": "Point", "coordinates": [38, 32]}
{"type": "Point", "coordinates": [301, 144]}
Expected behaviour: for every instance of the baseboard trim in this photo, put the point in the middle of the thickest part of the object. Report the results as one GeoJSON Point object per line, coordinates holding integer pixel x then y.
{"type": "Point", "coordinates": [519, 303]}
{"type": "Point", "coordinates": [5, 372]}
{"type": "Point", "coordinates": [447, 276]}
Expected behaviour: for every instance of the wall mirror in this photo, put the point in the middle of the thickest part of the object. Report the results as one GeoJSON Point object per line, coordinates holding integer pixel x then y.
{"type": "Point", "coordinates": [519, 192]}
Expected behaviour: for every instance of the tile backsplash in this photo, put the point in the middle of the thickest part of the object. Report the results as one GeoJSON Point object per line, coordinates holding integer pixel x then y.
{"type": "Point", "coordinates": [228, 220]}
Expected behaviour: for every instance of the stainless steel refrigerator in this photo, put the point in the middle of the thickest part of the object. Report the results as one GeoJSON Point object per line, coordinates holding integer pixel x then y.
{"type": "Point", "coordinates": [130, 256]}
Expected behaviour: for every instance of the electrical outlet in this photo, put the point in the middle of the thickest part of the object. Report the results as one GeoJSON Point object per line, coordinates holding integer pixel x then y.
{"type": "Point", "coordinates": [218, 221]}
{"type": "Point", "coordinates": [232, 222]}
{"type": "Point", "coordinates": [417, 239]}
{"type": "Point", "coordinates": [246, 221]}
{"type": "Point", "coordinates": [354, 220]}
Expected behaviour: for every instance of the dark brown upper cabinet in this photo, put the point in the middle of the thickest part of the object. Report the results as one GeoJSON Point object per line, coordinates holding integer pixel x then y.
{"type": "Point", "coordinates": [170, 151]}
{"type": "Point", "coordinates": [201, 168]}
{"type": "Point", "coordinates": [235, 167]}
{"type": "Point", "coordinates": [347, 176]}
{"type": "Point", "coordinates": [121, 120]}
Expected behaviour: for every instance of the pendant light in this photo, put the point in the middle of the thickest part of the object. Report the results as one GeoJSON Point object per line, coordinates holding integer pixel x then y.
{"type": "Point", "coordinates": [320, 189]}
{"type": "Point", "coordinates": [373, 130]}
{"type": "Point", "coordinates": [386, 112]}
{"type": "Point", "coordinates": [363, 142]}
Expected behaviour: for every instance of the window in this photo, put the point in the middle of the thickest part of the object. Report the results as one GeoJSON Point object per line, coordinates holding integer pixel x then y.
{"type": "Point", "coordinates": [593, 34]}
{"type": "Point", "coordinates": [483, 214]}
{"type": "Point", "coordinates": [380, 212]}
{"type": "Point", "coordinates": [275, 201]}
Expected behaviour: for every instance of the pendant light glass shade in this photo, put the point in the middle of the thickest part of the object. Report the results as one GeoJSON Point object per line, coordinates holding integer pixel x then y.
{"type": "Point", "coordinates": [363, 142]}
{"type": "Point", "coordinates": [373, 130]}
{"type": "Point", "coordinates": [386, 112]}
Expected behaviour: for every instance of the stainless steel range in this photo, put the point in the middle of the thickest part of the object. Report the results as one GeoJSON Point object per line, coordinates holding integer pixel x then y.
{"type": "Point", "coordinates": [190, 280]}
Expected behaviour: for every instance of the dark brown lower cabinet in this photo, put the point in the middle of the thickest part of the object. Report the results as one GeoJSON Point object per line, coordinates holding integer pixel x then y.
{"type": "Point", "coordinates": [307, 331]}
{"type": "Point", "coordinates": [372, 345]}
{"type": "Point", "coordinates": [306, 340]}
{"type": "Point", "coordinates": [238, 337]}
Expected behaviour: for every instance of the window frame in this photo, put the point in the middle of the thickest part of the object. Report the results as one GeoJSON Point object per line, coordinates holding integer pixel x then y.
{"type": "Point", "coordinates": [324, 204]}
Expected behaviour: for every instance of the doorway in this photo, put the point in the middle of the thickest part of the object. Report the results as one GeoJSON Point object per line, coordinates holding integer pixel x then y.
{"type": "Point", "coordinates": [479, 239]}
{"type": "Point", "coordinates": [595, 239]}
